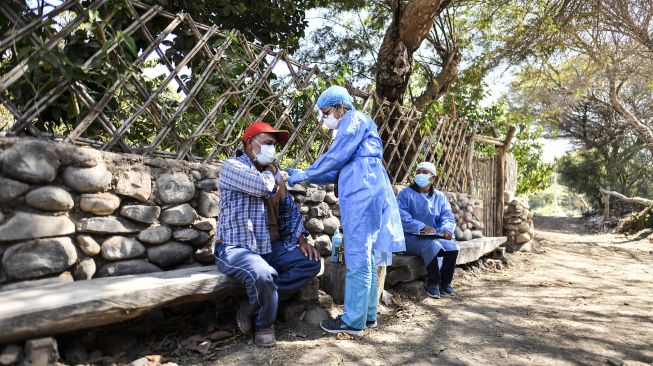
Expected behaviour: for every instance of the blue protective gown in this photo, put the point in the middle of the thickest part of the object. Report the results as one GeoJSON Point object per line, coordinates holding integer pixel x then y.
{"type": "Point", "coordinates": [369, 211]}
{"type": "Point", "coordinates": [426, 209]}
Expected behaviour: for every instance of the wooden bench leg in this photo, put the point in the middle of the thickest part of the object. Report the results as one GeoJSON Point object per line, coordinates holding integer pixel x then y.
{"type": "Point", "coordinates": [381, 271]}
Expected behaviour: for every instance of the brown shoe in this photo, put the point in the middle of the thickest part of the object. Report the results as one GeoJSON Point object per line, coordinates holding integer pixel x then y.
{"type": "Point", "coordinates": [244, 318]}
{"type": "Point", "coordinates": [265, 337]}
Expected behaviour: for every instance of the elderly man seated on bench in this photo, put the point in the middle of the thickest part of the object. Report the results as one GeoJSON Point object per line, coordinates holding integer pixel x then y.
{"type": "Point", "coordinates": [428, 224]}
{"type": "Point", "coordinates": [261, 233]}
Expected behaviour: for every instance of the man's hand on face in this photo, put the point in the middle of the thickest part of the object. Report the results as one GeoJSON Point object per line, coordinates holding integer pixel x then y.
{"type": "Point", "coordinates": [307, 249]}
{"type": "Point", "coordinates": [427, 230]}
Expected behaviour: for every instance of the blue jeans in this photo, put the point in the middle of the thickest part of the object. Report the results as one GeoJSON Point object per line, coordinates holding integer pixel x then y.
{"type": "Point", "coordinates": [361, 295]}
{"type": "Point", "coordinates": [268, 278]}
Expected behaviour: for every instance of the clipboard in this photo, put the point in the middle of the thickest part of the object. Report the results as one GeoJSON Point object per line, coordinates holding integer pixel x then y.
{"type": "Point", "coordinates": [434, 236]}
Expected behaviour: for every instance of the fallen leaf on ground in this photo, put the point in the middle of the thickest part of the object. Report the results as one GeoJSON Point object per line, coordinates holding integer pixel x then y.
{"type": "Point", "coordinates": [218, 335]}
{"type": "Point", "coordinates": [343, 336]}
{"type": "Point", "coordinates": [195, 338]}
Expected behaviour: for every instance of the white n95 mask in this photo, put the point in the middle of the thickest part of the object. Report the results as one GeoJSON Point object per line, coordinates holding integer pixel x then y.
{"type": "Point", "coordinates": [331, 122]}
{"type": "Point", "coordinates": [267, 154]}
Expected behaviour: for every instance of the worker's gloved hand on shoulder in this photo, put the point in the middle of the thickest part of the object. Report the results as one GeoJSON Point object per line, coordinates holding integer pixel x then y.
{"type": "Point", "coordinates": [295, 176]}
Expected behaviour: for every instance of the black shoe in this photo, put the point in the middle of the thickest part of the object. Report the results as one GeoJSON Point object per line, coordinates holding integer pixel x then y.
{"type": "Point", "coordinates": [338, 326]}
{"type": "Point", "coordinates": [371, 324]}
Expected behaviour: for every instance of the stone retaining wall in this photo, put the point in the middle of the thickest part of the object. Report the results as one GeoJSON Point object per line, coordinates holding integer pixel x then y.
{"type": "Point", "coordinates": [319, 205]}
{"type": "Point", "coordinates": [72, 213]}
{"type": "Point", "coordinates": [468, 211]}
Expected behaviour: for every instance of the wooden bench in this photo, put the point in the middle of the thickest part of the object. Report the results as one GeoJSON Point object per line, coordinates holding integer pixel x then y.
{"type": "Point", "coordinates": [406, 268]}
{"type": "Point", "coordinates": [57, 308]}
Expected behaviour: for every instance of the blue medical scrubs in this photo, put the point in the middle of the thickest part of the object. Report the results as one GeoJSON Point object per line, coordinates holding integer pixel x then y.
{"type": "Point", "coordinates": [370, 216]}
{"type": "Point", "coordinates": [426, 209]}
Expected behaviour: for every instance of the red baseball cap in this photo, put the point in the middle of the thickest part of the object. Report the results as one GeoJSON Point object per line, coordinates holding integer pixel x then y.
{"type": "Point", "coordinates": [259, 127]}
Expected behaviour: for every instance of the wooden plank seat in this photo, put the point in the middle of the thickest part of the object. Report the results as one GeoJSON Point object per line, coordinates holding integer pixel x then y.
{"type": "Point", "coordinates": [406, 268]}
{"type": "Point", "coordinates": [57, 308]}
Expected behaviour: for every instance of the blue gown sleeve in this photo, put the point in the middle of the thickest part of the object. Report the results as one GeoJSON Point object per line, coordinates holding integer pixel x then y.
{"type": "Point", "coordinates": [350, 134]}
{"type": "Point", "coordinates": [327, 178]}
{"type": "Point", "coordinates": [446, 221]}
{"type": "Point", "coordinates": [409, 224]}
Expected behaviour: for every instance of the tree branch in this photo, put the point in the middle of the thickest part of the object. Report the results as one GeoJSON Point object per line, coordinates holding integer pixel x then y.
{"type": "Point", "coordinates": [620, 196]}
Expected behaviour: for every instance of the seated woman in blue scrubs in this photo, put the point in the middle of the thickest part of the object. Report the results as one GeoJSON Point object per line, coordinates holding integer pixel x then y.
{"type": "Point", "coordinates": [425, 212]}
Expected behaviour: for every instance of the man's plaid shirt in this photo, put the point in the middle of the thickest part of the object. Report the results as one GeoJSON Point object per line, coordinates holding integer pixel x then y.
{"type": "Point", "coordinates": [243, 212]}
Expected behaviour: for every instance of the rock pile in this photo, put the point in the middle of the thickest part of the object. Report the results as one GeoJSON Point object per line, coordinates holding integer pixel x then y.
{"type": "Point", "coordinates": [518, 225]}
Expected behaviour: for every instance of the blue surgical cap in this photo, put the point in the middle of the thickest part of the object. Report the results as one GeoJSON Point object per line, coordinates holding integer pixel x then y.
{"type": "Point", "coordinates": [335, 95]}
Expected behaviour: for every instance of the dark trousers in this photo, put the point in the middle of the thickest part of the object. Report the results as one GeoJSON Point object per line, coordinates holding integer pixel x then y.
{"type": "Point", "coordinates": [443, 275]}
{"type": "Point", "coordinates": [268, 278]}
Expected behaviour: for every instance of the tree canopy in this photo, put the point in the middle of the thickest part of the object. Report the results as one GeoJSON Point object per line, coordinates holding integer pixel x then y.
{"type": "Point", "coordinates": [584, 69]}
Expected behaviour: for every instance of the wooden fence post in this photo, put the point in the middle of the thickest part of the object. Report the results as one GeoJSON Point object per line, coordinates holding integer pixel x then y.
{"type": "Point", "coordinates": [501, 185]}
{"type": "Point", "coordinates": [471, 183]}
{"type": "Point", "coordinates": [501, 178]}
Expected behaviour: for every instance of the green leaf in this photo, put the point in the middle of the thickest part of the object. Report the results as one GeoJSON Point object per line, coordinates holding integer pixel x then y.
{"type": "Point", "coordinates": [131, 45]}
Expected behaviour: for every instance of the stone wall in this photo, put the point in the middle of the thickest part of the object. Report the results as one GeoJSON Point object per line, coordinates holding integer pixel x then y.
{"type": "Point", "coordinates": [319, 205]}
{"type": "Point", "coordinates": [468, 211]}
{"type": "Point", "coordinates": [71, 213]}
{"type": "Point", "coordinates": [517, 223]}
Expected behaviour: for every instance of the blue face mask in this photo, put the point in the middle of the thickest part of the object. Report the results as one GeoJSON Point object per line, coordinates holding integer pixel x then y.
{"type": "Point", "coordinates": [422, 180]}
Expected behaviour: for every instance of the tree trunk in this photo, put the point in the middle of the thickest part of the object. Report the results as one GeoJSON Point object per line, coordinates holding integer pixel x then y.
{"type": "Point", "coordinates": [410, 26]}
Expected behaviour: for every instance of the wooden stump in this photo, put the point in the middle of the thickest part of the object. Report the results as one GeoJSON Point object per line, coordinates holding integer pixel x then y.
{"type": "Point", "coordinates": [333, 281]}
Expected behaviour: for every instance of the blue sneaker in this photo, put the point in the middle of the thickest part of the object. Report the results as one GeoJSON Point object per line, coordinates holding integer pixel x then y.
{"type": "Point", "coordinates": [371, 324]}
{"type": "Point", "coordinates": [433, 291]}
{"type": "Point", "coordinates": [447, 289]}
{"type": "Point", "coordinates": [336, 326]}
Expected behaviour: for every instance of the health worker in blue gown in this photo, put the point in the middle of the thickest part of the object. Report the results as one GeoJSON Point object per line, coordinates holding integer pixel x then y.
{"type": "Point", "coordinates": [426, 212]}
{"type": "Point", "coordinates": [368, 206]}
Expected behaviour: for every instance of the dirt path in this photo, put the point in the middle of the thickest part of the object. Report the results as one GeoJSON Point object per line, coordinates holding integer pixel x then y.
{"type": "Point", "coordinates": [580, 300]}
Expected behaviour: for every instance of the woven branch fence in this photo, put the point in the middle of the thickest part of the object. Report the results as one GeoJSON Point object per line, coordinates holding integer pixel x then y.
{"type": "Point", "coordinates": [162, 84]}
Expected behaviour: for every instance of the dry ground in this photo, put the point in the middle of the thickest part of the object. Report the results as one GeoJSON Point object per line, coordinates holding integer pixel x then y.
{"type": "Point", "coordinates": [580, 299]}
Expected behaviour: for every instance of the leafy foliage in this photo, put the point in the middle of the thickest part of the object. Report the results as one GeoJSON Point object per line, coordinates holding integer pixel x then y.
{"type": "Point", "coordinates": [586, 171]}
{"type": "Point", "coordinates": [279, 23]}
